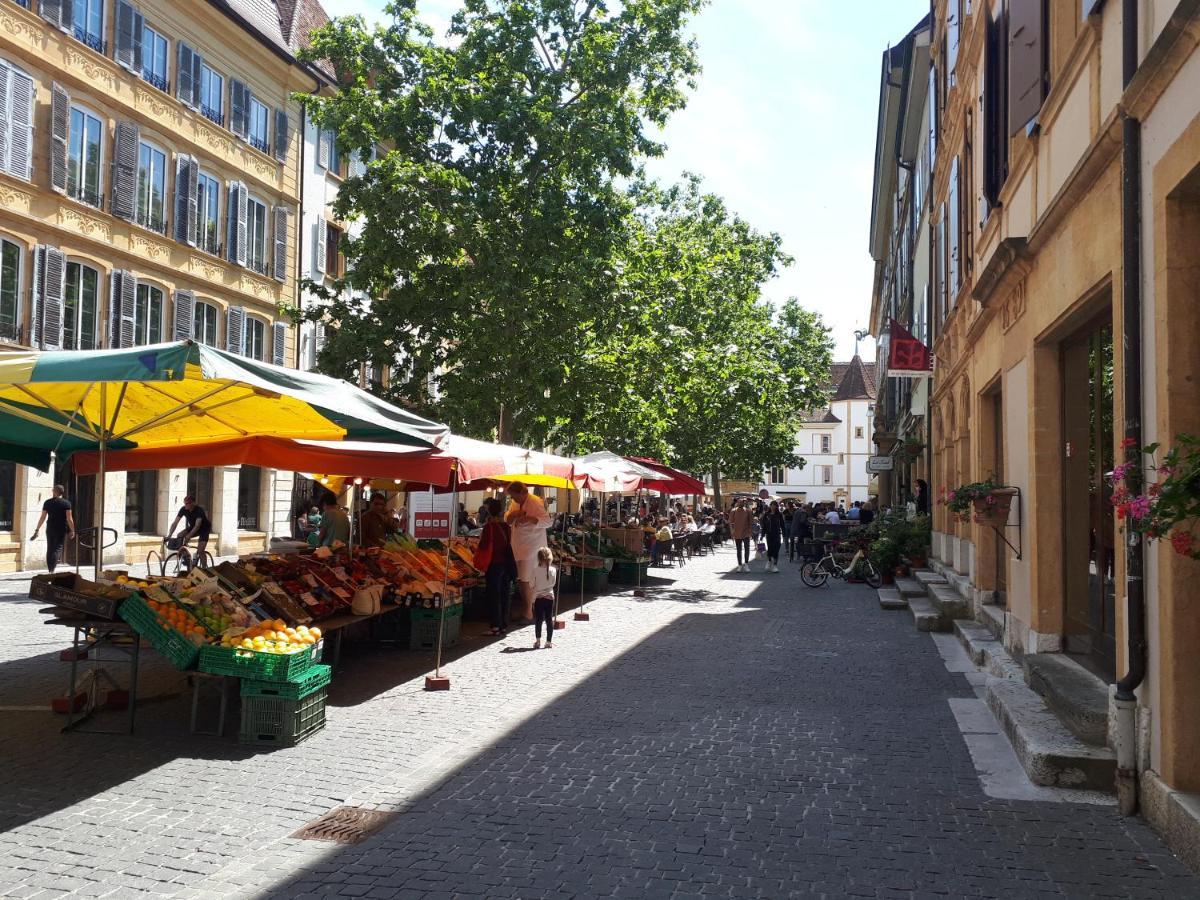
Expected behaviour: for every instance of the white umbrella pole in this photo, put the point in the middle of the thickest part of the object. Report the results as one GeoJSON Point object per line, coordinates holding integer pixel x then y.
{"type": "Point", "coordinates": [436, 682]}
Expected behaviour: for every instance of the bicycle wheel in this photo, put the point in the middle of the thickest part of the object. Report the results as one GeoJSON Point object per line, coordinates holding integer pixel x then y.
{"type": "Point", "coordinates": [867, 572]}
{"type": "Point", "coordinates": [813, 574]}
{"type": "Point", "coordinates": [204, 561]}
{"type": "Point", "coordinates": [173, 565]}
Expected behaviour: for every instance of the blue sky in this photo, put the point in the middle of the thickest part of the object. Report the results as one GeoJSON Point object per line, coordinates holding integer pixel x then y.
{"type": "Point", "coordinates": [782, 125]}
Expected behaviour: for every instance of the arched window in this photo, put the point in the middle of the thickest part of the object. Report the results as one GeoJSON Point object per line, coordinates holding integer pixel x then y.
{"type": "Point", "coordinates": [148, 314]}
{"type": "Point", "coordinates": [256, 338]}
{"type": "Point", "coordinates": [81, 308]}
{"type": "Point", "coordinates": [12, 257]}
{"type": "Point", "coordinates": [204, 323]}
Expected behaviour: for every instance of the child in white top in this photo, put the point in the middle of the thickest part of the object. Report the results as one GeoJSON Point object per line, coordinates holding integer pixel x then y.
{"type": "Point", "coordinates": [545, 576]}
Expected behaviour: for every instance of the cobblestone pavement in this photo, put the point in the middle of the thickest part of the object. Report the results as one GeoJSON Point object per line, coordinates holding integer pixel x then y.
{"type": "Point", "coordinates": [728, 735]}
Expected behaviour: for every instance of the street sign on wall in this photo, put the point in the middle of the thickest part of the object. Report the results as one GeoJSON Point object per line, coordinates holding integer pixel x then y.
{"type": "Point", "coordinates": [880, 464]}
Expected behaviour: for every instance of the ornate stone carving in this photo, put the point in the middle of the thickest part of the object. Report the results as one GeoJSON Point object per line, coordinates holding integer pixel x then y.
{"type": "Point", "coordinates": [97, 72]}
{"type": "Point", "coordinates": [149, 247]}
{"type": "Point", "coordinates": [14, 199]}
{"type": "Point", "coordinates": [265, 170]}
{"type": "Point", "coordinates": [207, 267]}
{"type": "Point", "coordinates": [81, 222]}
{"type": "Point", "coordinates": [159, 105]}
{"type": "Point", "coordinates": [251, 285]}
{"type": "Point", "coordinates": [13, 24]}
{"type": "Point", "coordinates": [1014, 306]}
{"type": "Point", "coordinates": [214, 139]}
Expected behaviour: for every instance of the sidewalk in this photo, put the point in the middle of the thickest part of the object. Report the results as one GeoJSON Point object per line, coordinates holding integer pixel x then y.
{"type": "Point", "coordinates": [728, 735]}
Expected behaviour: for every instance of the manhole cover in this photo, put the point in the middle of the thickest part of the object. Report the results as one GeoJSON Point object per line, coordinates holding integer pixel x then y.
{"type": "Point", "coordinates": [345, 825]}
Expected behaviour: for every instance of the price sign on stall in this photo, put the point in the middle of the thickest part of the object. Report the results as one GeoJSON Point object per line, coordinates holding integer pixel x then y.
{"type": "Point", "coordinates": [431, 525]}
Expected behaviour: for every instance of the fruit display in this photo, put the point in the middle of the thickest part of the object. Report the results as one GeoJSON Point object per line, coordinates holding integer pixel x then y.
{"type": "Point", "coordinates": [174, 618]}
{"type": "Point", "coordinates": [276, 637]}
{"type": "Point", "coordinates": [215, 607]}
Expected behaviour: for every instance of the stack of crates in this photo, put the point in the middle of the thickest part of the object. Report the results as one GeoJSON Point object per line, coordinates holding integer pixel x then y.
{"type": "Point", "coordinates": [284, 713]}
{"type": "Point", "coordinates": [425, 627]}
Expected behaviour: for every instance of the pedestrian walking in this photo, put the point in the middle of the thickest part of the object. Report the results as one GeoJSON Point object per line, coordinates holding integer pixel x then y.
{"type": "Point", "coordinates": [494, 558]}
{"type": "Point", "coordinates": [529, 520]}
{"type": "Point", "coordinates": [60, 525]}
{"type": "Point", "coordinates": [741, 524]}
{"type": "Point", "coordinates": [545, 575]}
{"type": "Point", "coordinates": [801, 531]}
{"type": "Point", "coordinates": [772, 527]}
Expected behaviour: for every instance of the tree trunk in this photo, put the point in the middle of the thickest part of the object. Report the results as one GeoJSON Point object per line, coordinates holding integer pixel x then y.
{"type": "Point", "coordinates": [718, 505]}
{"type": "Point", "coordinates": [504, 434]}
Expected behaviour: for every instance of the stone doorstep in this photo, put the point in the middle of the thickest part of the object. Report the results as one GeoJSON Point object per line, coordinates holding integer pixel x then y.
{"type": "Point", "coordinates": [993, 620]}
{"type": "Point", "coordinates": [1050, 754]}
{"type": "Point", "coordinates": [928, 577]}
{"type": "Point", "coordinates": [925, 616]}
{"type": "Point", "coordinates": [1175, 815]}
{"type": "Point", "coordinates": [985, 651]}
{"type": "Point", "coordinates": [910, 587]}
{"type": "Point", "coordinates": [948, 602]}
{"type": "Point", "coordinates": [890, 598]}
{"type": "Point", "coordinates": [1075, 695]}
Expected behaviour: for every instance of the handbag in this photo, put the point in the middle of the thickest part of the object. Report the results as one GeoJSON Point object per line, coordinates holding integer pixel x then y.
{"type": "Point", "coordinates": [483, 553]}
{"type": "Point", "coordinates": [761, 548]}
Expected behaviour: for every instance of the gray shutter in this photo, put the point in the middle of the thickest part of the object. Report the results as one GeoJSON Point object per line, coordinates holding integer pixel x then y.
{"type": "Point", "coordinates": [186, 87]}
{"type": "Point", "coordinates": [280, 238]}
{"type": "Point", "coordinates": [236, 242]}
{"type": "Point", "coordinates": [235, 330]}
{"type": "Point", "coordinates": [122, 309]}
{"type": "Point", "coordinates": [279, 343]}
{"type": "Point", "coordinates": [282, 135]}
{"type": "Point", "coordinates": [49, 285]}
{"type": "Point", "coordinates": [954, 280]}
{"type": "Point", "coordinates": [185, 313]}
{"type": "Point", "coordinates": [60, 13]}
{"type": "Point", "coordinates": [5, 103]}
{"type": "Point", "coordinates": [1026, 62]}
{"type": "Point", "coordinates": [239, 108]}
{"type": "Point", "coordinates": [319, 341]}
{"type": "Point", "coordinates": [324, 147]}
{"type": "Point", "coordinates": [60, 123]}
{"type": "Point", "coordinates": [20, 137]}
{"type": "Point", "coordinates": [187, 178]}
{"type": "Point", "coordinates": [127, 48]}
{"type": "Point", "coordinates": [124, 169]}
{"type": "Point", "coordinates": [319, 245]}
{"type": "Point", "coordinates": [952, 38]}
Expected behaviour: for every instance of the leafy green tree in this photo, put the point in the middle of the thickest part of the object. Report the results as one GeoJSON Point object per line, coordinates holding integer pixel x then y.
{"type": "Point", "coordinates": [493, 215]}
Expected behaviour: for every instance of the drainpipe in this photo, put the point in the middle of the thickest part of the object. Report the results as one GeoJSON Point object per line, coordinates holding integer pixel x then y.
{"type": "Point", "coordinates": [1125, 742]}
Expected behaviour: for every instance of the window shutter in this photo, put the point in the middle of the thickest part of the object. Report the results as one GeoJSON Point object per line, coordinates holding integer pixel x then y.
{"type": "Point", "coordinates": [60, 13]}
{"type": "Point", "coordinates": [127, 49]}
{"type": "Point", "coordinates": [324, 148]}
{"type": "Point", "coordinates": [125, 169]}
{"type": "Point", "coordinates": [282, 135]}
{"type": "Point", "coordinates": [279, 343]}
{"type": "Point", "coordinates": [20, 122]}
{"type": "Point", "coordinates": [319, 245]}
{"type": "Point", "coordinates": [239, 105]}
{"type": "Point", "coordinates": [60, 123]}
{"type": "Point", "coordinates": [185, 312]}
{"type": "Point", "coordinates": [122, 305]}
{"type": "Point", "coordinates": [186, 88]}
{"type": "Point", "coordinates": [235, 330]}
{"type": "Point", "coordinates": [280, 238]}
{"type": "Point", "coordinates": [187, 177]}
{"type": "Point", "coordinates": [5, 103]}
{"type": "Point", "coordinates": [319, 341]}
{"type": "Point", "coordinates": [49, 285]}
{"type": "Point", "coordinates": [197, 71]}
{"type": "Point", "coordinates": [1026, 62]}
{"type": "Point", "coordinates": [237, 223]}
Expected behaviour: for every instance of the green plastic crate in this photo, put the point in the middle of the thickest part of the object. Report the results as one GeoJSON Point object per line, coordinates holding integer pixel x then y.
{"type": "Point", "coordinates": [178, 650]}
{"type": "Point", "coordinates": [593, 579]}
{"type": "Point", "coordinates": [313, 680]}
{"type": "Point", "coordinates": [425, 627]}
{"type": "Point", "coordinates": [258, 666]}
{"type": "Point", "coordinates": [625, 571]}
{"type": "Point", "coordinates": [280, 722]}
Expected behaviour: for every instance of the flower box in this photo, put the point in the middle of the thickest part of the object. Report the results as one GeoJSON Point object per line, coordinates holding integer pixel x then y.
{"type": "Point", "coordinates": [992, 508]}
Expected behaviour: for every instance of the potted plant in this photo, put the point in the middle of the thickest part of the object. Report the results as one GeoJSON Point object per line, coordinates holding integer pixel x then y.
{"type": "Point", "coordinates": [914, 542]}
{"type": "Point", "coordinates": [885, 553]}
{"type": "Point", "coordinates": [1168, 507]}
{"type": "Point", "coordinates": [911, 450]}
{"type": "Point", "coordinates": [989, 500]}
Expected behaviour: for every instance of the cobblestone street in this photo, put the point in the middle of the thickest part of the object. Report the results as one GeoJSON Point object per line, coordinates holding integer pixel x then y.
{"type": "Point", "coordinates": [728, 735]}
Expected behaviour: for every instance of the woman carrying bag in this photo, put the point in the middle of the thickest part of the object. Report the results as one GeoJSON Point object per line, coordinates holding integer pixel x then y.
{"type": "Point", "coordinates": [495, 559]}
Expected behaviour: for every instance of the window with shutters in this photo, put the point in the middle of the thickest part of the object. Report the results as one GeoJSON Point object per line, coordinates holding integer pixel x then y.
{"type": "Point", "coordinates": [212, 94]}
{"type": "Point", "coordinates": [257, 133]}
{"type": "Point", "coordinates": [89, 23]}
{"type": "Point", "coordinates": [154, 58]}
{"type": "Point", "coordinates": [16, 128]}
{"type": "Point", "coordinates": [333, 250]}
{"type": "Point", "coordinates": [249, 494]}
{"type": "Point", "coordinates": [11, 255]}
{"type": "Point", "coordinates": [335, 156]}
{"type": "Point", "coordinates": [84, 142]}
{"type": "Point", "coordinates": [148, 314]}
{"type": "Point", "coordinates": [208, 221]}
{"type": "Point", "coordinates": [204, 323]}
{"type": "Point", "coordinates": [150, 211]}
{"type": "Point", "coordinates": [995, 105]}
{"type": "Point", "coordinates": [953, 19]}
{"type": "Point", "coordinates": [81, 308]}
{"type": "Point", "coordinates": [256, 235]}
{"type": "Point", "coordinates": [256, 338]}
{"type": "Point", "coordinates": [141, 501]}
{"type": "Point", "coordinates": [953, 232]}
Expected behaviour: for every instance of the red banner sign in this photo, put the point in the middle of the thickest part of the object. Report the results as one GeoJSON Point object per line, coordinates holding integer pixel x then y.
{"type": "Point", "coordinates": [431, 524]}
{"type": "Point", "coordinates": [907, 357]}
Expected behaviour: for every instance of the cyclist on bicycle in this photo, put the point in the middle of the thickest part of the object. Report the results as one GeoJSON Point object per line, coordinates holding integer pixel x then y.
{"type": "Point", "coordinates": [199, 526]}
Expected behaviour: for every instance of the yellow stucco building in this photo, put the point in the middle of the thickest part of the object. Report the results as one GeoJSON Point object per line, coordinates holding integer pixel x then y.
{"type": "Point", "coordinates": [1066, 223]}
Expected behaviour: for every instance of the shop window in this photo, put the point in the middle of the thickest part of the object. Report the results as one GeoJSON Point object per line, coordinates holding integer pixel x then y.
{"type": "Point", "coordinates": [249, 491]}
{"type": "Point", "coordinates": [83, 157]}
{"type": "Point", "coordinates": [208, 203]}
{"type": "Point", "coordinates": [10, 290]}
{"type": "Point", "coordinates": [148, 314]}
{"type": "Point", "coordinates": [204, 323]}
{"type": "Point", "coordinates": [256, 338]}
{"type": "Point", "coordinates": [154, 57]}
{"type": "Point", "coordinates": [141, 502]}
{"type": "Point", "coordinates": [200, 486]}
{"type": "Point", "coordinates": [256, 235]}
{"type": "Point", "coordinates": [89, 23]}
{"type": "Point", "coordinates": [8, 494]}
{"type": "Point", "coordinates": [151, 188]}
{"type": "Point", "coordinates": [81, 308]}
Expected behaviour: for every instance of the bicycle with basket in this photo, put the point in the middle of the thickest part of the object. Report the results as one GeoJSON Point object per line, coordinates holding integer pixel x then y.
{"type": "Point", "coordinates": [838, 562]}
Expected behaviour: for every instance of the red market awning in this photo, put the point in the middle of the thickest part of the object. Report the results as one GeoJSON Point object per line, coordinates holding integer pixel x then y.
{"type": "Point", "coordinates": [679, 483]}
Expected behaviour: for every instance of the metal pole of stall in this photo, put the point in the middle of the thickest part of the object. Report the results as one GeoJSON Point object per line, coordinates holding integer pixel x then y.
{"type": "Point", "coordinates": [641, 546]}
{"type": "Point", "coordinates": [99, 516]}
{"type": "Point", "coordinates": [558, 580]}
{"type": "Point", "coordinates": [436, 681]}
{"type": "Point", "coordinates": [581, 615]}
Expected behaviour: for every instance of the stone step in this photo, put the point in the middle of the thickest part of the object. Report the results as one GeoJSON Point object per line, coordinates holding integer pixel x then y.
{"type": "Point", "coordinates": [910, 587]}
{"type": "Point", "coordinates": [985, 651]}
{"type": "Point", "coordinates": [890, 598]}
{"type": "Point", "coordinates": [1075, 695]}
{"type": "Point", "coordinates": [1050, 754]}
{"type": "Point", "coordinates": [928, 577]}
{"type": "Point", "coordinates": [925, 616]}
{"type": "Point", "coordinates": [949, 604]}
{"type": "Point", "coordinates": [993, 620]}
